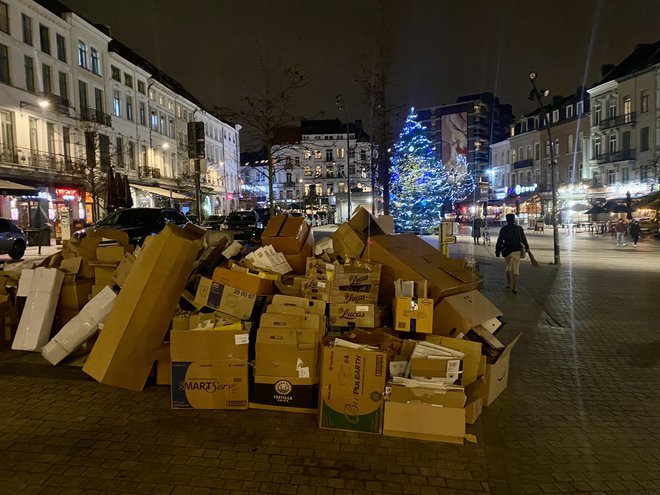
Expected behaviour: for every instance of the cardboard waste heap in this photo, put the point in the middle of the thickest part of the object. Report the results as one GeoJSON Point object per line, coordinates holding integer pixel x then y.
{"type": "Point", "coordinates": [367, 330]}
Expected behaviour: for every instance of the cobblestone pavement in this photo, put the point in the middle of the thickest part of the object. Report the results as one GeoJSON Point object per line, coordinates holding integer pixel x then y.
{"type": "Point", "coordinates": [581, 414]}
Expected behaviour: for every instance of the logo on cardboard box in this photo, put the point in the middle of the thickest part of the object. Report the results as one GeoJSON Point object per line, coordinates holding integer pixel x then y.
{"type": "Point", "coordinates": [283, 387]}
{"type": "Point", "coordinates": [210, 386]}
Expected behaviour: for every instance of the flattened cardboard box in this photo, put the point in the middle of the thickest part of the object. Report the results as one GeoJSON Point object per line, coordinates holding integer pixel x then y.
{"type": "Point", "coordinates": [209, 369]}
{"type": "Point", "coordinates": [288, 394]}
{"type": "Point", "coordinates": [351, 392]}
{"type": "Point", "coordinates": [141, 314]}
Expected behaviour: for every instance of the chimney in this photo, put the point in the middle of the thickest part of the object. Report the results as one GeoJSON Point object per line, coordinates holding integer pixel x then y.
{"type": "Point", "coordinates": [606, 69]}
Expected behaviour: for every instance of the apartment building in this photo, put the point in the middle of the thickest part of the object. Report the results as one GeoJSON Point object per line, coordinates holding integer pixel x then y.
{"type": "Point", "coordinates": [76, 102]}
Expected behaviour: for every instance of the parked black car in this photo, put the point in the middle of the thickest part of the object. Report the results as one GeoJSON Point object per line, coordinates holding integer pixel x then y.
{"type": "Point", "coordinates": [214, 222]}
{"type": "Point", "coordinates": [138, 223]}
{"type": "Point", "coordinates": [244, 225]}
{"type": "Point", "coordinates": [12, 239]}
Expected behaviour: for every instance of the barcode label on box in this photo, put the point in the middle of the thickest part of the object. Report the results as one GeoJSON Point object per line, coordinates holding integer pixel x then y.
{"type": "Point", "coordinates": [241, 338]}
{"type": "Point", "coordinates": [361, 308]}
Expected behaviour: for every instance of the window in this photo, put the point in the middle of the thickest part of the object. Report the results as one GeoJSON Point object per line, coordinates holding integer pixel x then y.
{"type": "Point", "coordinates": [48, 82]}
{"type": "Point", "coordinates": [579, 141]}
{"type": "Point", "coordinates": [82, 54]}
{"type": "Point", "coordinates": [143, 156]}
{"type": "Point", "coordinates": [96, 63]}
{"type": "Point", "coordinates": [120, 151]}
{"type": "Point", "coordinates": [82, 94]}
{"type": "Point", "coordinates": [557, 147]}
{"type": "Point", "coordinates": [570, 144]}
{"type": "Point", "coordinates": [611, 177]}
{"type": "Point", "coordinates": [116, 103]}
{"type": "Point", "coordinates": [29, 74]}
{"type": "Point", "coordinates": [644, 139]}
{"type": "Point", "coordinates": [627, 110]}
{"type": "Point", "coordinates": [44, 38]}
{"type": "Point", "coordinates": [34, 135]}
{"type": "Point", "coordinates": [537, 151]}
{"type": "Point", "coordinates": [115, 73]}
{"type": "Point", "coordinates": [170, 130]}
{"type": "Point", "coordinates": [4, 17]}
{"type": "Point", "coordinates": [523, 126]}
{"type": "Point", "coordinates": [64, 85]}
{"type": "Point", "coordinates": [595, 117]}
{"type": "Point", "coordinates": [580, 107]}
{"type": "Point", "coordinates": [131, 155]}
{"type": "Point", "coordinates": [27, 29]}
{"type": "Point", "coordinates": [61, 47]}
{"type": "Point", "coordinates": [128, 80]}
{"type": "Point", "coordinates": [161, 100]}
{"type": "Point", "coordinates": [4, 64]}
{"type": "Point", "coordinates": [569, 111]}
{"type": "Point", "coordinates": [142, 87]}
{"type": "Point", "coordinates": [143, 114]}
{"type": "Point", "coordinates": [154, 121]}
{"type": "Point", "coordinates": [319, 171]}
{"type": "Point", "coordinates": [520, 153]}
{"type": "Point", "coordinates": [66, 145]}
{"type": "Point", "coordinates": [611, 109]}
{"type": "Point", "coordinates": [596, 148]}
{"type": "Point", "coordinates": [161, 129]}
{"type": "Point", "coordinates": [625, 175]}
{"type": "Point", "coordinates": [307, 171]}
{"type": "Point", "coordinates": [580, 171]}
{"type": "Point", "coordinates": [528, 153]}
{"type": "Point", "coordinates": [555, 115]}
{"type": "Point", "coordinates": [513, 155]}
{"type": "Point", "coordinates": [612, 144]}
{"type": "Point", "coordinates": [317, 154]}
{"type": "Point", "coordinates": [644, 102]}
{"type": "Point", "coordinates": [129, 108]}
{"type": "Point", "coordinates": [98, 99]}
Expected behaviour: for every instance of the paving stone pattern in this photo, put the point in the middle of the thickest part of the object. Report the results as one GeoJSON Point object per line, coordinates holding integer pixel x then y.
{"type": "Point", "coordinates": [581, 414]}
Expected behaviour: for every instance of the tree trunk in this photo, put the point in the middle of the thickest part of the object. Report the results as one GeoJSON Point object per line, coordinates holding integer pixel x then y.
{"type": "Point", "coordinates": [271, 177]}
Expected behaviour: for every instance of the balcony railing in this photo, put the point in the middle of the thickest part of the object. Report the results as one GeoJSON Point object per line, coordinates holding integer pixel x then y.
{"type": "Point", "coordinates": [627, 118]}
{"type": "Point", "coordinates": [39, 160]}
{"type": "Point", "coordinates": [93, 115]}
{"type": "Point", "coordinates": [616, 156]}
{"type": "Point", "coordinates": [523, 163]}
{"type": "Point", "coordinates": [149, 172]}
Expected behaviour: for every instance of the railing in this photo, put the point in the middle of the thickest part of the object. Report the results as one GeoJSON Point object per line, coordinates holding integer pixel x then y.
{"type": "Point", "coordinates": [150, 172]}
{"type": "Point", "coordinates": [93, 115]}
{"type": "Point", "coordinates": [616, 156]}
{"type": "Point", "coordinates": [523, 163]}
{"type": "Point", "coordinates": [626, 118]}
{"type": "Point", "coordinates": [40, 160]}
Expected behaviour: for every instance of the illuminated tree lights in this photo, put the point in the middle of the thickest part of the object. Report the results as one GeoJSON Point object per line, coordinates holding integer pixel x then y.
{"type": "Point", "coordinates": [418, 183]}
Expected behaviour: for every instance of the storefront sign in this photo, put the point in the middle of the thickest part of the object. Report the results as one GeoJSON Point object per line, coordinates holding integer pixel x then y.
{"type": "Point", "coordinates": [522, 189]}
{"type": "Point", "coordinates": [67, 194]}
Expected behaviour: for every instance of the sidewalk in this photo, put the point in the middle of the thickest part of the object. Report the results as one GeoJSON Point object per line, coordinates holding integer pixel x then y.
{"type": "Point", "coordinates": [580, 415]}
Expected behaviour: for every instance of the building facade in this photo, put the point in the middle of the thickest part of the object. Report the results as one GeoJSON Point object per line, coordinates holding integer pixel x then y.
{"type": "Point", "coordinates": [75, 102]}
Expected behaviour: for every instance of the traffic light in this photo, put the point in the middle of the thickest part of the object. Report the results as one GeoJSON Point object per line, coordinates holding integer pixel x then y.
{"type": "Point", "coordinates": [196, 140]}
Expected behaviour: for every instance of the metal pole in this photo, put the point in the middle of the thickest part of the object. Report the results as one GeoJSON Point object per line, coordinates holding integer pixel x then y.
{"type": "Point", "coordinates": [348, 170]}
{"type": "Point", "coordinates": [553, 164]}
{"type": "Point", "coordinates": [198, 189]}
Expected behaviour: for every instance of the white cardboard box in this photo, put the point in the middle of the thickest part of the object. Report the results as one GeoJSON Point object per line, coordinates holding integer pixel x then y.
{"type": "Point", "coordinates": [80, 328]}
{"type": "Point", "coordinates": [37, 318]}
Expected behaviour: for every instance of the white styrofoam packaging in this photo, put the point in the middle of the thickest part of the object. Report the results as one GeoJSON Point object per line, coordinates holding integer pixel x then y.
{"type": "Point", "coordinates": [37, 318]}
{"type": "Point", "coordinates": [80, 328]}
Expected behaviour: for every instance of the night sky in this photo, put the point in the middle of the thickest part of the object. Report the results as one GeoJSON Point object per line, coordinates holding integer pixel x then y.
{"type": "Point", "coordinates": [444, 49]}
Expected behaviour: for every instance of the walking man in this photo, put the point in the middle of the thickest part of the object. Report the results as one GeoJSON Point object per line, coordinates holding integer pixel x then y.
{"type": "Point", "coordinates": [512, 244]}
{"type": "Point", "coordinates": [635, 230]}
{"type": "Point", "coordinates": [477, 224]}
{"type": "Point", "coordinates": [620, 229]}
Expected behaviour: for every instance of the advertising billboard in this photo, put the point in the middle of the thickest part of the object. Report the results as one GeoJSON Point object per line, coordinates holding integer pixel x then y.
{"type": "Point", "coordinates": [454, 139]}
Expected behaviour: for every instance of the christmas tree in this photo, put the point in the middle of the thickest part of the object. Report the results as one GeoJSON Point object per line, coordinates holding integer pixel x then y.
{"type": "Point", "coordinates": [461, 183]}
{"type": "Point", "coordinates": [419, 185]}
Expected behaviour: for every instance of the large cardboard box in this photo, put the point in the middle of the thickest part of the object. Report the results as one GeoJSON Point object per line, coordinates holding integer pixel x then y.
{"type": "Point", "coordinates": [412, 314]}
{"type": "Point", "coordinates": [364, 224]}
{"type": "Point", "coordinates": [358, 294]}
{"type": "Point", "coordinates": [355, 315]}
{"type": "Point", "coordinates": [209, 369]}
{"type": "Point", "coordinates": [407, 257]}
{"type": "Point", "coordinates": [286, 234]}
{"type": "Point", "coordinates": [347, 243]}
{"type": "Point", "coordinates": [141, 315]}
{"type": "Point", "coordinates": [351, 391]}
{"type": "Point", "coordinates": [496, 377]}
{"type": "Point", "coordinates": [242, 294]}
{"type": "Point", "coordinates": [425, 414]}
{"type": "Point", "coordinates": [37, 318]}
{"type": "Point", "coordinates": [298, 261]}
{"type": "Point", "coordinates": [455, 315]}
{"type": "Point", "coordinates": [289, 394]}
{"type": "Point", "coordinates": [86, 248]}
{"type": "Point", "coordinates": [357, 272]}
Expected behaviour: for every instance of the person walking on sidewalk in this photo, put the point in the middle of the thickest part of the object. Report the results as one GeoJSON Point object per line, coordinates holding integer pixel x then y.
{"type": "Point", "coordinates": [477, 225]}
{"type": "Point", "coordinates": [512, 244]}
{"type": "Point", "coordinates": [635, 230]}
{"type": "Point", "coordinates": [620, 229]}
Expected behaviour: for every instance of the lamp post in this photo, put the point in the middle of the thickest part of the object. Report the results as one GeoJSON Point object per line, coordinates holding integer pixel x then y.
{"type": "Point", "coordinates": [340, 105]}
{"type": "Point", "coordinates": [535, 94]}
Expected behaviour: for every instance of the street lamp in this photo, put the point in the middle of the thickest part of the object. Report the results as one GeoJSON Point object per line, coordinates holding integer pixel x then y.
{"type": "Point", "coordinates": [535, 94]}
{"type": "Point", "coordinates": [43, 104]}
{"type": "Point", "coordinates": [340, 106]}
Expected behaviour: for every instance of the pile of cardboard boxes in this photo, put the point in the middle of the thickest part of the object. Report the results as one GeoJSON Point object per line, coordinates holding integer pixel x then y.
{"type": "Point", "coordinates": [368, 330]}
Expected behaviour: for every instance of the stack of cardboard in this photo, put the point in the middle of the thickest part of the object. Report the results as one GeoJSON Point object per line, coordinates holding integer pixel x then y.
{"type": "Point", "coordinates": [108, 258]}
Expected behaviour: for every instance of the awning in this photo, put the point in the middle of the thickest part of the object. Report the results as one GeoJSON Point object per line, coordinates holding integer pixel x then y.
{"type": "Point", "coordinates": [8, 188]}
{"type": "Point", "coordinates": [160, 191]}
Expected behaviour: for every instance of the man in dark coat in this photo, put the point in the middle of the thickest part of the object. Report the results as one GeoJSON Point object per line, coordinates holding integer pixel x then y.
{"type": "Point", "coordinates": [511, 243]}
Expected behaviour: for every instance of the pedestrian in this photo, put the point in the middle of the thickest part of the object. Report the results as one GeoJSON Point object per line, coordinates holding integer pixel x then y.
{"type": "Point", "coordinates": [635, 230]}
{"type": "Point", "coordinates": [477, 224]}
{"type": "Point", "coordinates": [620, 229]}
{"type": "Point", "coordinates": [512, 244]}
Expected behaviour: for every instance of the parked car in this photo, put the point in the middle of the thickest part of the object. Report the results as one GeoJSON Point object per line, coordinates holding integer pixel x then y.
{"type": "Point", "coordinates": [12, 239]}
{"type": "Point", "coordinates": [264, 214]}
{"type": "Point", "coordinates": [138, 223]}
{"type": "Point", "coordinates": [214, 222]}
{"type": "Point", "coordinates": [244, 225]}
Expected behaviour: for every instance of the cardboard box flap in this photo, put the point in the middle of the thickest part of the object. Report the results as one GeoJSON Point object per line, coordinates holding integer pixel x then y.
{"type": "Point", "coordinates": [468, 309]}
{"type": "Point", "coordinates": [507, 350]}
{"type": "Point", "coordinates": [471, 355]}
{"type": "Point", "coordinates": [243, 281]}
{"type": "Point", "coordinates": [364, 223]}
{"type": "Point", "coordinates": [425, 422]}
{"type": "Point", "coordinates": [71, 266]}
{"type": "Point", "coordinates": [208, 345]}
{"type": "Point", "coordinates": [452, 266]}
{"type": "Point", "coordinates": [491, 325]}
{"type": "Point", "coordinates": [422, 395]}
{"type": "Point", "coordinates": [346, 242]}
{"type": "Point", "coordinates": [274, 226]}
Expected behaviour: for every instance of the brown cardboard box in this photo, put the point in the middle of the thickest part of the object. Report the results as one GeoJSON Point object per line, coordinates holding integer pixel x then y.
{"type": "Point", "coordinates": [110, 254]}
{"type": "Point", "coordinates": [414, 315]}
{"type": "Point", "coordinates": [319, 269]}
{"type": "Point", "coordinates": [141, 315]}
{"type": "Point", "coordinates": [86, 248]}
{"type": "Point", "coordinates": [209, 369]}
{"type": "Point", "coordinates": [103, 274]}
{"type": "Point", "coordinates": [407, 257]}
{"type": "Point", "coordinates": [351, 391]}
{"type": "Point", "coordinates": [496, 377]}
{"type": "Point", "coordinates": [358, 294]}
{"type": "Point", "coordinates": [364, 224]}
{"type": "Point", "coordinates": [355, 315]}
{"type": "Point", "coordinates": [75, 293]}
{"type": "Point", "coordinates": [276, 352]}
{"type": "Point", "coordinates": [288, 394]}
{"type": "Point", "coordinates": [121, 272]}
{"type": "Point", "coordinates": [163, 365]}
{"type": "Point", "coordinates": [447, 369]}
{"type": "Point", "coordinates": [286, 234]}
{"type": "Point", "coordinates": [474, 402]}
{"type": "Point", "coordinates": [455, 315]}
{"type": "Point", "coordinates": [471, 355]}
{"type": "Point", "coordinates": [425, 414]}
{"type": "Point", "coordinates": [308, 305]}
{"type": "Point", "coordinates": [357, 272]}
{"type": "Point", "coordinates": [298, 260]}
{"type": "Point", "coordinates": [347, 243]}
{"type": "Point", "coordinates": [241, 292]}
{"type": "Point", "coordinates": [318, 290]}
